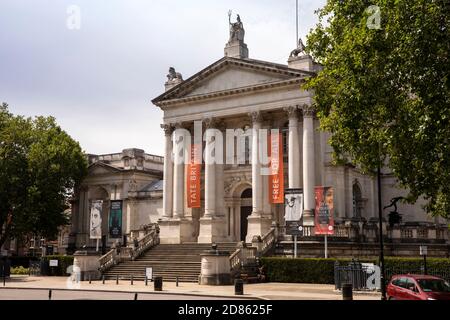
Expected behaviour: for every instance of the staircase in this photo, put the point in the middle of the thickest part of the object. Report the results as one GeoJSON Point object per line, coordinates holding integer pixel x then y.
{"type": "Point", "coordinates": [168, 261]}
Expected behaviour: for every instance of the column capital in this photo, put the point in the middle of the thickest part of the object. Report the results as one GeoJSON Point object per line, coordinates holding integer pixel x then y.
{"type": "Point", "coordinates": [256, 116]}
{"type": "Point", "coordinates": [308, 111]}
{"type": "Point", "coordinates": [211, 122]}
{"type": "Point", "coordinates": [292, 112]}
{"type": "Point", "coordinates": [168, 128]}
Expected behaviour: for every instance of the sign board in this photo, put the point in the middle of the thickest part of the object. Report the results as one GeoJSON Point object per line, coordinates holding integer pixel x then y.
{"type": "Point", "coordinates": [423, 250]}
{"type": "Point", "coordinates": [324, 211]}
{"type": "Point", "coordinates": [149, 273]}
{"type": "Point", "coordinates": [96, 220]}
{"type": "Point", "coordinates": [53, 263]}
{"type": "Point", "coordinates": [293, 199]}
{"type": "Point", "coordinates": [294, 228]}
{"type": "Point", "coordinates": [115, 220]}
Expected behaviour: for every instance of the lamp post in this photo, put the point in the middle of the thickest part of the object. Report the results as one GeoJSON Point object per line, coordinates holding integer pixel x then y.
{"type": "Point", "coordinates": [380, 218]}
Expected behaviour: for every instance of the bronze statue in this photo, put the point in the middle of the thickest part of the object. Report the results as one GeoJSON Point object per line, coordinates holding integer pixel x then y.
{"type": "Point", "coordinates": [394, 216]}
{"type": "Point", "coordinates": [300, 49]}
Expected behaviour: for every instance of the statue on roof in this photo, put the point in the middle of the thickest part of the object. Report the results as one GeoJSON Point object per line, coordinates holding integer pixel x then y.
{"type": "Point", "coordinates": [237, 31]}
{"type": "Point", "coordinates": [174, 76]}
{"type": "Point", "coordinates": [299, 50]}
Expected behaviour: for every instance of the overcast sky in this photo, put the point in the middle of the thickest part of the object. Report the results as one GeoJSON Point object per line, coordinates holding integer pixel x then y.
{"type": "Point", "coordinates": [99, 81]}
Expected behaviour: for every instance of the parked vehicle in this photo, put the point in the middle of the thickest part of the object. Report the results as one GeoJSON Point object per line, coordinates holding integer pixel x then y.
{"type": "Point", "coordinates": [417, 287]}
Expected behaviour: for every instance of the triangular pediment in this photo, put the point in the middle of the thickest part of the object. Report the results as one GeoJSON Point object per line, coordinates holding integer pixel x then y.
{"type": "Point", "coordinates": [100, 168]}
{"type": "Point", "coordinates": [230, 74]}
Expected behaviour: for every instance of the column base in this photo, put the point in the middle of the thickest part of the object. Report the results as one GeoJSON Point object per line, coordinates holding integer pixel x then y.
{"type": "Point", "coordinates": [257, 226]}
{"type": "Point", "coordinates": [308, 218]}
{"type": "Point", "coordinates": [176, 231]}
{"type": "Point", "coordinates": [212, 229]}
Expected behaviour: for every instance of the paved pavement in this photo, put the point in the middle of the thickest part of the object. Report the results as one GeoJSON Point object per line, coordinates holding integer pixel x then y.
{"type": "Point", "coordinates": [185, 291]}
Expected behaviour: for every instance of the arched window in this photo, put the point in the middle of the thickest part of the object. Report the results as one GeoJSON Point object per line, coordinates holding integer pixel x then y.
{"type": "Point", "coordinates": [357, 200]}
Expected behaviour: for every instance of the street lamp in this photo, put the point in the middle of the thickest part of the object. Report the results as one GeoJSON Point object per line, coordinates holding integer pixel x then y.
{"type": "Point", "coordinates": [380, 218]}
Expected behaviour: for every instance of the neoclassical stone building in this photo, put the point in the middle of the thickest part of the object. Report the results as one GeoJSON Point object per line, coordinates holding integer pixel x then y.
{"type": "Point", "coordinates": [237, 92]}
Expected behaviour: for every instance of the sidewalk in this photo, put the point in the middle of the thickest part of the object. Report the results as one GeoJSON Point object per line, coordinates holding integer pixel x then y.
{"type": "Point", "coordinates": [265, 291]}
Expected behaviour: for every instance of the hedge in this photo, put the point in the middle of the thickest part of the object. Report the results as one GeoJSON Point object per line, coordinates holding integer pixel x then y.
{"type": "Point", "coordinates": [61, 270]}
{"type": "Point", "coordinates": [321, 271]}
{"type": "Point", "coordinates": [20, 270]}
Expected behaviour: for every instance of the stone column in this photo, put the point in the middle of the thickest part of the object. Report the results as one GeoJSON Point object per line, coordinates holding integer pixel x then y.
{"type": "Point", "coordinates": [210, 173]}
{"type": "Point", "coordinates": [178, 174]}
{"type": "Point", "coordinates": [294, 148]}
{"type": "Point", "coordinates": [168, 172]}
{"type": "Point", "coordinates": [308, 164]}
{"type": "Point", "coordinates": [257, 199]}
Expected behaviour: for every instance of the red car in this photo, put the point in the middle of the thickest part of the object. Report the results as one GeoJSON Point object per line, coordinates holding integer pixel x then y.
{"type": "Point", "coordinates": [417, 287]}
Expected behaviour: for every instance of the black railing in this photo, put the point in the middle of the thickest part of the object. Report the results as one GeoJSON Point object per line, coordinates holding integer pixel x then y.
{"type": "Point", "coordinates": [366, 276]}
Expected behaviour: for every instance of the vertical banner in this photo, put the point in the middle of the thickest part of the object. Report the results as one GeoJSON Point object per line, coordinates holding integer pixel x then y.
{"type": "Point", "coordinates": [276, 180]}
{"type": "Point", "coordinates": [324, 217]}
{"type": "Point", "coordinates": [194, 169]}
{"type": "Point", "coordinates": [294, 205]}
{"type": "Point", "coordinates": [95, 231]}
{"type": "Point", "coordinates": [115, 220]}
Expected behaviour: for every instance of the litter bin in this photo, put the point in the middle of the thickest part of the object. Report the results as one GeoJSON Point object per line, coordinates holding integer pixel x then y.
{"type": "Point", "coordinates": [238, 287]}
{"type": "Point", "coordinates": [158, 283]}
{"type": "Point", "coordinates": [347, 291]}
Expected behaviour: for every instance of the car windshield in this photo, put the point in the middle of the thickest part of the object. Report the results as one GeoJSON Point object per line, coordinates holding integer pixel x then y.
{"type": "Point", "coordinates": [434, 285]}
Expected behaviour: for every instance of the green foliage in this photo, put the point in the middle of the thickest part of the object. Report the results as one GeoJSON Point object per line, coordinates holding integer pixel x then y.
{"type": "Point", "coordinates": [20, 270]}
{"type": "Point", "coordinates": [64, 262]}
{"type": "Point", "coordinates": [384, 93]}
{"type": "Point", "coordinates": [321, 271]}
{"type": "Point", "coordinates": [40, 165]}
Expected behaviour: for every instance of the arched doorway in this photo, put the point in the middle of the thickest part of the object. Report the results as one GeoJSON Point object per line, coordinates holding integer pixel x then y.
{"type": "Point", "coordinates": [246, 211]}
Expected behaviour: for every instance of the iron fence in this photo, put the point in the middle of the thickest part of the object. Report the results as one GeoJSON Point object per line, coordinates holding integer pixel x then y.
{"type": "Point", "coordinates": [364, 276]}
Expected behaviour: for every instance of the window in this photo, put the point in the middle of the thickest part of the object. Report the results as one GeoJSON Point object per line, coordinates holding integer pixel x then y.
{"type": "Point", "coordinates": [434, 285]}
{"type": "Point", "coordinates": [357, 201]}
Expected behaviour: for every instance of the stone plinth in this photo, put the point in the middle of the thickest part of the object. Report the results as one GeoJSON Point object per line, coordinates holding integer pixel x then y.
{"type": "Point", "coordinates": [87, 263]}
{"type": "Point", "coordinates": [215, 268]}
{"type": "Point", "coordinates": [304, 62]}
{"type": "Point", "coordinates": [212, 229]}
{"type": "Point", "coordinates": [236, 49]}
{"type": "Point", "coordinates": [257, 226]}
{"type": "Point", "coordinates": [176, 231]}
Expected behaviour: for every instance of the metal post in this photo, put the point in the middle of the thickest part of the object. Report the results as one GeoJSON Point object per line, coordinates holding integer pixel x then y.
{"type": "Point", "coordinates": [103, 279]}
{"type": "Point", "coordinates": [146, 281]}
{"type": "Point", "coordinates": [49, 294]}
{"type": "Point", "coordinates": [135, 296]}
{"type": "Point", "coordinates": [131, 279]}
{"type": "Point", "coordinates": [98, 240]}
{"type": "Point", "coordinates": [425, 271]}
{"type": "Point", "coordinates": [296, 22]}
{"type": "Point", "coordinates": [177, 281]}
{"type": "Point", "coordinates": [117, 279]}
{"type": "Point", "coordinates": [295, 246]}
{"type": "Point", "coordinates": [326, 246]}
{"type": "Point", "coordinates": [380, 218]}
{"type": "Point", "coordinates": [90, 280]}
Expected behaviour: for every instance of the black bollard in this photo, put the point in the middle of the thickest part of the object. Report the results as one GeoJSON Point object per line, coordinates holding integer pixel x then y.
{"type": "Point", "coordinates": [238, 287]}
{"type": "Point", "coordinates": [347, 291]}
{"type": "Point", "coordinates": [117, 279]}
{"type": "Point", "coordinates": [131, 279]}
{"type": "Point", "coordinates": [146, 281]}
{"type": "Point", "coordinates": [177, 281]}
{"type": "Point", "coordinates": [90, 280]}
{"type": "Point", "coordinates": [135, 296]}
{"type": "Point", "coordinates": [49, 294]}
{"type": "Point", "coordinates": [158, 281]}
{"type": "Point", "coordinates": [103, 279]}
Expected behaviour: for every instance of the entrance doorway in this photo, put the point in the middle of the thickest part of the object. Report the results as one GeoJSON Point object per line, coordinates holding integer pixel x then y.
{"type": "Point", "coordinates": [246, 211]}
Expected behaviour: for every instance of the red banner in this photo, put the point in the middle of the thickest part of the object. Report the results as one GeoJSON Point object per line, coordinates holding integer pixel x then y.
{"type": "Point", "coordinates": [276, 180]}
{"type": "Point", "coordinates": [194, 169]}
{"type": "Point", "coordinates": [324, 213]}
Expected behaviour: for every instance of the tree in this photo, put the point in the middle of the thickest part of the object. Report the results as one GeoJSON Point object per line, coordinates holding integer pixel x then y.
{"type": "Point", "coordinates": [383, 93]}
{"type": "Point", "coordinates": [40, 166]}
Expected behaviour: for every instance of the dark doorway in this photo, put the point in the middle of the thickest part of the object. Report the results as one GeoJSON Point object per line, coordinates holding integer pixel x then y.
{"type": "Point", "coordinates": [246, 211]}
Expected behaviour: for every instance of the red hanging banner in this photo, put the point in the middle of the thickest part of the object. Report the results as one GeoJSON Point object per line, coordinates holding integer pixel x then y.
{"type": "Point", "coordinates": [193, 170]}
{"type": "Point", "coordinates": [324, 215]}
{"type": "Point", "coordinates": [276, 179]}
